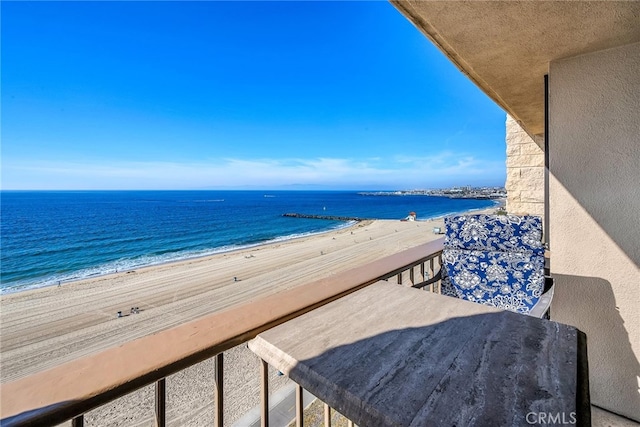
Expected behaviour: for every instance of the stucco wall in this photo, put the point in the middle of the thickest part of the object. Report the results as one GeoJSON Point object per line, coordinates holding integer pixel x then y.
{"type": "Point", "coordinates": [525, 171]}
{"type": "Point", "coordinates": [594, 215]}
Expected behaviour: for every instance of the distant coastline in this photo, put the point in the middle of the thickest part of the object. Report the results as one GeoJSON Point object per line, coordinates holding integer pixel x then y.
{"type": "Point", "coordinates": [478, 193]}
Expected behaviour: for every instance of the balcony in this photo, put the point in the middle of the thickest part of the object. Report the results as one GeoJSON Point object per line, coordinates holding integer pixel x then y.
{"type": "Point", "coordinates": [70, 390]}
{"type": "Point", "coordinates": [215, 345]}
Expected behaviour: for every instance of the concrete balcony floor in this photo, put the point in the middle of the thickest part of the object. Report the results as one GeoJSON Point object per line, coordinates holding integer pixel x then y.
{"type": "Point", "coordinates": [314, 414]}
{"type": "Point", "coordinates": [599, 418]}
{"type": "Point", "coordinates": [602, 418]}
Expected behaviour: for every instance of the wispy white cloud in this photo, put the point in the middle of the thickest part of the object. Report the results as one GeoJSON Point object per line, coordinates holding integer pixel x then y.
{"type": "Point", "coordinates": [445, 168]}
{"type": "Point", "coordinates": [449, 163]}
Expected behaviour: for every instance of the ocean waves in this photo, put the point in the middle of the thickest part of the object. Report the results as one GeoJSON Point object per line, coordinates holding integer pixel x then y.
{"type": "Point", "coordinates": [56, 237]}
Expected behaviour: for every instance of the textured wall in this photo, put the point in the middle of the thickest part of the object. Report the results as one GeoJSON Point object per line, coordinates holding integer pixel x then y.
{"type": "Point", "coordinates": [525, 172]}
{"type": "Point", "coordinates": [594, 215]}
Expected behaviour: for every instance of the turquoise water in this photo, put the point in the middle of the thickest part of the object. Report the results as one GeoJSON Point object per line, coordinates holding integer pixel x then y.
{"type": "Point", "coordinates": [51, 237]}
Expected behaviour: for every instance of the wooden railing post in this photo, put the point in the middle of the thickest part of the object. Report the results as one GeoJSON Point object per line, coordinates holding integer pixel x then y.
{"type": "Point", "coordinates": [432, 272]}
{"type": "Point", "coordinates": [161, 402]}
{"type": "Point", "coordinates": [436, 286]}
{"type": "Point", "coordinates": [299, 407]}
{"type": "Point", "coordinates": [219, 376]}
{"type": "Point", "coordinates": [327, 415]}
{"type": "Point", "coordinates": [264, 394]}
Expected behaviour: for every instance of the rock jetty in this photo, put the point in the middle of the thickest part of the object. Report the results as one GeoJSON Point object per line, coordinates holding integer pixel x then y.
{"type": "Point", "coordinates": [329, 217]}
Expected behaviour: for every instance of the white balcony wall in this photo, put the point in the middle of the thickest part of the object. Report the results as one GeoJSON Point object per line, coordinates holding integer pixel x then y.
{"type": "Point", "coordinates": [594, 215]}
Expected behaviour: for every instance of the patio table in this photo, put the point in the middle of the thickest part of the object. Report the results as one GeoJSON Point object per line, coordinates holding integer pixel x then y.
{"type": "Point", "coordinates": [388, 355]}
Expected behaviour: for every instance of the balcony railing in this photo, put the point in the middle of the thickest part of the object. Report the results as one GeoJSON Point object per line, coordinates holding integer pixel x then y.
{"type": "Point", "coordinates": [69, 391]}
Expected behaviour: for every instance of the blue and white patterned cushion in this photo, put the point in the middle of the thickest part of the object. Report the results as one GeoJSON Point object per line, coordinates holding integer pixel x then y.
{"type": "Point", "coordinates": [496, 260]}
{"type": "Point", "coordinates": [494, 233]}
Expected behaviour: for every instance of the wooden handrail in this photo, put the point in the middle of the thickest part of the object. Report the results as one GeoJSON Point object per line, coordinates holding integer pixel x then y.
{"type": "Point", "coordinates": [73, 388]}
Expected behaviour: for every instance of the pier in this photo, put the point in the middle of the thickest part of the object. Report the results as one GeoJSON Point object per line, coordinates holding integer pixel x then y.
{"type": "Point", "coordinates": [329, 217]}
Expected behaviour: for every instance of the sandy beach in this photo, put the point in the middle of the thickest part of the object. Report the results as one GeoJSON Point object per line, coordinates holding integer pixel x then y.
{"type": "Point", "coordinates": [45, 327]}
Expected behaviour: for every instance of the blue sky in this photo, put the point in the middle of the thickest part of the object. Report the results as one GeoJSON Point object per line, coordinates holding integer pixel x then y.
{"type": "Point", "coordinates": [236, 95]}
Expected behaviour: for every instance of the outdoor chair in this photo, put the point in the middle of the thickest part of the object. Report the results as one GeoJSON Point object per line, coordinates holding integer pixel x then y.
{"type": "Point", "coordinates": [497, 260]}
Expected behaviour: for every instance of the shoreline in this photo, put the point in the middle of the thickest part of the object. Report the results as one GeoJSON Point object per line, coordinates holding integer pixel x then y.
{"type": "Point", "coordinates": [82, 314]}
{"type": "Point", "coordinates": [47, 326]}
{"type": "Point", "coordinates": [273, 266]}
{"type": "Point", "coordinates": [35, 287]}
{"type": "Point", "coordinates": [498, 203]}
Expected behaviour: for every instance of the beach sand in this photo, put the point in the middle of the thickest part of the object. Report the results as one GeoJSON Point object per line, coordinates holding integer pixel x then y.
{"type": "Point", "coordinates": [43, 328]}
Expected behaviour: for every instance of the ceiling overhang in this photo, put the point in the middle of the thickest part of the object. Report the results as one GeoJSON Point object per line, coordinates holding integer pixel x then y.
{"type": "Point", "coordinates": [505, 46]}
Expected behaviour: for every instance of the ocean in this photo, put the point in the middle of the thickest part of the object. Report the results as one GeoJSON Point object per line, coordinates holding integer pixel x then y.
{"type": "Point", "coordinates": [51, 237]}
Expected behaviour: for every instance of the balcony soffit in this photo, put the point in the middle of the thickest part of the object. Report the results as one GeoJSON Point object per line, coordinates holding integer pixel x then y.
{"type": "Point", "coordinates": [505, 46]}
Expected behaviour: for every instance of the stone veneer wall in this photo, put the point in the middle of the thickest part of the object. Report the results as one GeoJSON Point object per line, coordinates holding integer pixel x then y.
{"type": "Point", "coordinates": [525, 171]}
